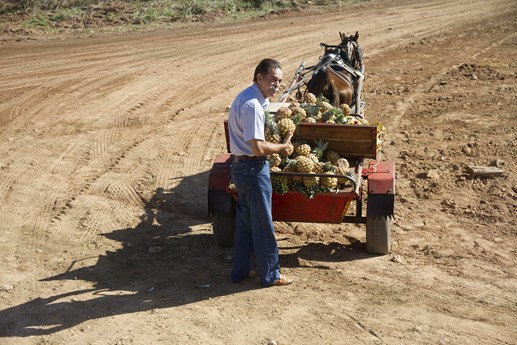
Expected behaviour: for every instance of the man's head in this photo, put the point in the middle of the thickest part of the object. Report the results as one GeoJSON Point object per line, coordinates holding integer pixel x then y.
{"type": "Point", "coordinates": [268, 76]}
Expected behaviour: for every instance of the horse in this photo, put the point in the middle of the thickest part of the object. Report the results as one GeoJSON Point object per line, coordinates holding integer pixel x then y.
{"type": "Point", "coordinates": [339, 74]}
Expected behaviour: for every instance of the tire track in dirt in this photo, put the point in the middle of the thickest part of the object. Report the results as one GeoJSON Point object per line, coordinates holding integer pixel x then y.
{"type": "Point", "coordinates": [104, 189]}
{"type": "Point", "coordinates": [468, 304]}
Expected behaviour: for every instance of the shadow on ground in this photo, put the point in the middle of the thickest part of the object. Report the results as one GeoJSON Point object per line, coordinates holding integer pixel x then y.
{"type": "Point", "coordinates": [161, 263]}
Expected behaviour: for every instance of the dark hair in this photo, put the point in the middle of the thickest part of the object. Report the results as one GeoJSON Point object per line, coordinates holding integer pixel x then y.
{"type": "Point", "coordinates": [265, 66]}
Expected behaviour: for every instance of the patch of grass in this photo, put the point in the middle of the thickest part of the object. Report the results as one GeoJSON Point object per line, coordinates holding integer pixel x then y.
{"type": "Point", "coordinates": [64, 14]}
{"type": "Point", "coordinates": [45, 13]}
{"type": "Point", "coordinates": [35, 21]}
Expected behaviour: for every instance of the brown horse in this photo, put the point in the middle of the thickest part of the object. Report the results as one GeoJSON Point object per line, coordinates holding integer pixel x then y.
{"type": "Point", "coordinates": [338, 76]}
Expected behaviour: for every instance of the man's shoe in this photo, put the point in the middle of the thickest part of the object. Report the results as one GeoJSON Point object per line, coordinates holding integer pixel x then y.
{"type": "Point", "coordinates": [283, 280]}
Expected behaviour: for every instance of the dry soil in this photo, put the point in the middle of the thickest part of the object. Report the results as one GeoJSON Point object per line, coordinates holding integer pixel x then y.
{"type": "Point", "coordinates": [106, 145]}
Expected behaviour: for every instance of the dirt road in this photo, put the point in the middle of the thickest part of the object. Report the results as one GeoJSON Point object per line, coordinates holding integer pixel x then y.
{"type": "Point", "coordinates": [106, 144]}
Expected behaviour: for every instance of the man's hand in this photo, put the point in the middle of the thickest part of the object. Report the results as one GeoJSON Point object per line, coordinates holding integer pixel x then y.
{"type": "Point", "coordinates": [287, 140]}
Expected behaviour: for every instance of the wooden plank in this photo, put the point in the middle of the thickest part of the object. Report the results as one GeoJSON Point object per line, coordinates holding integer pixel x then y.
{"type": "Point", "coordinates": [347, 140]}
{"type": "Point", "coordinates": [482, 171]}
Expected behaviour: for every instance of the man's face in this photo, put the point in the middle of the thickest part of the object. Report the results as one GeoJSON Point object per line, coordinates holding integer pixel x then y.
{"type": "Point", "coordinates": [270, 83]}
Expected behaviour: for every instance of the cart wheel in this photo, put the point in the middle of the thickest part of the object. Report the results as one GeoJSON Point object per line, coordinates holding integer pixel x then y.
{"type": "Point", "coordinates": [224, 229]}
{"type": "Point", "coordinates": [378, 234]}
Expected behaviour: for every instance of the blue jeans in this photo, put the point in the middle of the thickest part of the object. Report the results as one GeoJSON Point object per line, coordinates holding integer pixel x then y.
{"type": "Point", "coordinates": [254, 229]}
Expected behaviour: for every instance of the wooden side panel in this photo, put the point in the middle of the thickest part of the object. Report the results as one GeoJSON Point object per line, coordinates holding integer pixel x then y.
{"type": "Point", "coordinates": [347, 140]}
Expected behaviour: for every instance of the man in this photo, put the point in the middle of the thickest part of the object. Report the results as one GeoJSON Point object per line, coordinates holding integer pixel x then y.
{"type": "Point", "coordinates": [254, 229]}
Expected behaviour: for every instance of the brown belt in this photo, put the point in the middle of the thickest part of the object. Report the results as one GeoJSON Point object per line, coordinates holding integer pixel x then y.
{"type": "Point", "coordinates": [250, 158]}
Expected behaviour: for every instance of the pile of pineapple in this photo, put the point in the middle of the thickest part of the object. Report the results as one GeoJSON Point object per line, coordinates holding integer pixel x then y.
{"type": "Point", "coordinates": [312, 162]}
{"type": "Point", "coordinates": [305, 163]}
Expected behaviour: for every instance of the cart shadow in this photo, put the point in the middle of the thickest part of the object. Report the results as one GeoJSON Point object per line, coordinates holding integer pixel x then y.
{"type": "Point", "coordinates": [319, 253]}
{"type": "Point", "coordinates": [169, 259]}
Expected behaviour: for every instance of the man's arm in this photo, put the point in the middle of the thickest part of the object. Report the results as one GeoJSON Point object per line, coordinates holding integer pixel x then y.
{"type": "Point", "coordinates": [264, 148]}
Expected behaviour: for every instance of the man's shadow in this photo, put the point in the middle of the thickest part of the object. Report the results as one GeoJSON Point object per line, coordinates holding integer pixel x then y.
{"type": "Point", "coordinates": [169, 259]}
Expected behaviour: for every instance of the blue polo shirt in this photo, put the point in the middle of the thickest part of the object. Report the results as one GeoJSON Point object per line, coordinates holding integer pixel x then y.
{"type": "Point", "coordinates": [246, 120]}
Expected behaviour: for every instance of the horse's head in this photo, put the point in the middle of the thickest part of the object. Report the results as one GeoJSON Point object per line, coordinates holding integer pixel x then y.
{"type": "Point", "coordinates": [351, 50]}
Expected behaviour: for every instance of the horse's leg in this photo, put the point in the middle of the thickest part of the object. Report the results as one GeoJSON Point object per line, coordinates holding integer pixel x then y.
{"type": "Point", "coordinates": [345, 96]}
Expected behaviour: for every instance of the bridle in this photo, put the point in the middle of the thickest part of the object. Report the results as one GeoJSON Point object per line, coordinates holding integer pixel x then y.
{"type": "Point", "coordinates": [354, 55]}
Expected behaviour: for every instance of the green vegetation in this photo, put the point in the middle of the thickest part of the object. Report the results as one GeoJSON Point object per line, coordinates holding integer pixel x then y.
{"type": "Point", "coordinates": [97, 13]}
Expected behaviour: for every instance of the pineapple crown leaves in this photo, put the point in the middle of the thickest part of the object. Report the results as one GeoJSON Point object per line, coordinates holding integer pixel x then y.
{"type": "Point", "coordinates": [308, 192]}
{"type": "Point", "coordinates": [335, 113]}
{"type": "Point", "coordinates": [329, 167]}
{"type": "Point", "coordinates": [288, 162]}
{"type": "Point", "coordinates": [269, 122]}
{"type": "Point", "coordinates": [324, 189]}
{"type": "Point", "coordinates": [319, 149]}
{"type": "Point", "coordinates": [311, 191]}
{"type": "Point", "coordinates": [279, 183]}
{"type": "Point", "coordinates": [322, 98]}
{"type": "Point", "coordinates": [297, 118]}
{"type": "Point", "coordinates": [312, 110]}
{"type": "Point", "coordinates": [280, 188]}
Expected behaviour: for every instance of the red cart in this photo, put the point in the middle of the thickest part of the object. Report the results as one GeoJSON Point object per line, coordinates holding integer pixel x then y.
{"type": "Point", "coordinates": [372, 184]}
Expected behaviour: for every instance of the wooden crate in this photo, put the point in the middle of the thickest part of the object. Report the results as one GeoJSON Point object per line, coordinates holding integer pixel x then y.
{"type": "Point", "coordinates": [358, 141]}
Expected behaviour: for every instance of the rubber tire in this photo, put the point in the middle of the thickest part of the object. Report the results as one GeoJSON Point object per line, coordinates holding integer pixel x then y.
{"type": "Point", "coordinates": [224, 229]}
{"type": "Point", "coordinates": [378, 234]}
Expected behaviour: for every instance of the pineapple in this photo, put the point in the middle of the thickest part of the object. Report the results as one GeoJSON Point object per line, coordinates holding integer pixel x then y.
{"type": "Point", "coordinates": [341, 170]}
{"type": "Point", "coordinates": [318, 167]}
{"type": "Point", "coordinates": [345, 108]}
{"type": "Point", "coordinates": [299, 111]}
{"type": "Point", "coordinates": [290, 166]}
{"type": "Point", "coordinates": [324, 106]}
{"type": "Point", "coordinates": [272, 137]}
{"type": "Point", "coordinates": [331, 156]}
{"type": "Point", "coordinates": [285, 126]}
{"type": "Point", "coordinates": [329, 183]}
{"type": "Point", "coordinates": [271, 132]}
{"type": "Point", "coordinates": [329, 167]}
{"type": "Point", "coordinates": [310, 98]}
{"type": "Point", "coordinates": [302, 150]}
{"type": "Point", "coordinates": [283, 113]}
{"type": "Point", "coordinates": [313, 157]}
{"type": "Point", "coordinates": [304, 164]}
{"type": "Point", "coordinates": [380, 135]}
{"type": "Point", "coordinates": [311, 181]}
{"type": "Point", "coordinates": [275, 160]}
{"type": "Point", "coordinates": [278, 182]}
{"type": "Point", "coordinates": [343, 162]}
{"type": "Point", "coordinates": [299, 115]}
